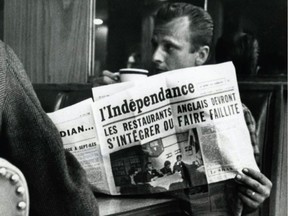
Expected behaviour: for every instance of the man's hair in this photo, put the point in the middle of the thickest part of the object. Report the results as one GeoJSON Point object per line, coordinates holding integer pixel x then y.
{"type": "Point", "coordinates": [201, 24]}
{"type": "Point", "coordinates": [166, 163]}
{"type": "Point", "coordinates": [178, 156]}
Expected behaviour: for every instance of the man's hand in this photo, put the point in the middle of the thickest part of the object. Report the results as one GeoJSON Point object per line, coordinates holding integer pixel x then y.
{"type": "Point", "coordinates": [107, 77]}
{"type": "Point", "coordinates": [254, 188]}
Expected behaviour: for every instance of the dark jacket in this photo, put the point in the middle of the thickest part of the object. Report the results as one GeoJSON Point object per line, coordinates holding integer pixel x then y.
{"type": "Point", "coordinates": [166, 170]}
{"type": "Point", "coordinates": [29, 140]}
{"type": "Point", "coordinates": [148, 176]}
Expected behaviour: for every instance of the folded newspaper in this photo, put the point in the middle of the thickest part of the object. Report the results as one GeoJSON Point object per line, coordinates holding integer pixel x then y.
{"type": "Point", "coordinates": [176, 130]}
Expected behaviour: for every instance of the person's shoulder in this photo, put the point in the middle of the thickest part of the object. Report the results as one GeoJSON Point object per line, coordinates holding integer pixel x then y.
{"type": "Point", "coordinates": [247, 112]}
{"type": "Point", "coordinates": [3, 48]}
{"type": "Point", "coordinates": [245, 108]}
{"type": "Point", "coordinates": [2, 44]}
{"type": "Point", "coordinates": [7, 54]}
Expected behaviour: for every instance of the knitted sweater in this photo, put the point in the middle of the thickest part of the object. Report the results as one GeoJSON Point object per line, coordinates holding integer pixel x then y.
{"type": "Point", "coordinates": [29, 140]}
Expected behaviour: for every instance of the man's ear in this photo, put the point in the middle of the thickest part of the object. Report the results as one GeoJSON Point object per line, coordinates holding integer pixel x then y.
{"type": "Point", "coordinates": [202, 56]}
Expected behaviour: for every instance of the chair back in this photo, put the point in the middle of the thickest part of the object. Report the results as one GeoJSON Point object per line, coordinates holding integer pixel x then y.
{"type": "Point", "coordinates": [14, 196]}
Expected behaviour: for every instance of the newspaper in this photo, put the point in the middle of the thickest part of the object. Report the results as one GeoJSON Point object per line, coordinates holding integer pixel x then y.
{"type": "Point", "coordinates": [180, 129]}
{"type": "Point", "coordinates": [78, 132]}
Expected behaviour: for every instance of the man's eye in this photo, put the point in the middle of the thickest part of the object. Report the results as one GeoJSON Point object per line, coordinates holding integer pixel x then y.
{"type": "Point", "coordinates": [169, 47]}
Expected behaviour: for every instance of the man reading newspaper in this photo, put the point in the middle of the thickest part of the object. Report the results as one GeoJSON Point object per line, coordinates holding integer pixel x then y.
{"type": "Point", "coordinates": [182, 38]}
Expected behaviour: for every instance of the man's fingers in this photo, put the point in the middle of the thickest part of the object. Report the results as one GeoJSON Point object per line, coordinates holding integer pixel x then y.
{"type": "Point", "coordinates": [108, 77]}
{"type": "Point", "coordinates": [251, 194]}
{"type": "Point", "coordinates": [257, 176]}
{"type": "Point", "coordinates": [248, 202]}
{"type": "Point", "coordinates": [252, 181]}
{"type": "Point", "coordinates": [107, 80]}
{"type": "Point", "coordinates": [111, 75]}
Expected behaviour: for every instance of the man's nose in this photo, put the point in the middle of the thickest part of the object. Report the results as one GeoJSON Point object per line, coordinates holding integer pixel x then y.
{"type": "Point", "coordinates": [158, 56]}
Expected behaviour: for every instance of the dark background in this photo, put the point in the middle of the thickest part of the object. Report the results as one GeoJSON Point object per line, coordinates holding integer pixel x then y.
{"type": "Point", "coordinates": [266, 19]}
{"type": "Point", "coordinates": [122, 30]}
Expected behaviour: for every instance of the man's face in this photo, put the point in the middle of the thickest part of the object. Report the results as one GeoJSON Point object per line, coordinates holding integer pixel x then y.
{"type": "Point", "coordinates": [172, 48]}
